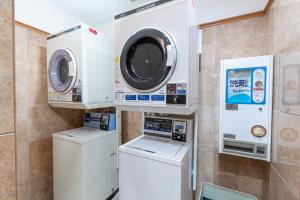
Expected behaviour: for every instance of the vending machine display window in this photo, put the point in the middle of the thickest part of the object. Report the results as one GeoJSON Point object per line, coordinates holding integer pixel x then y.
{"type": "Point", "coordinates": [246, 85]}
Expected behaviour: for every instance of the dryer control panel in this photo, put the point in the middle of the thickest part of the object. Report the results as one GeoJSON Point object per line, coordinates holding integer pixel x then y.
{"type": "Point", "coordinates": [171, 128]}
{"type": "Point", "coordinates": [176, 93]}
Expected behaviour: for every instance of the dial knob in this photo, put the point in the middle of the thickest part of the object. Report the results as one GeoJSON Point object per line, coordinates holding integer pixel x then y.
{"type": "Point", "coordinates": [258, 131]}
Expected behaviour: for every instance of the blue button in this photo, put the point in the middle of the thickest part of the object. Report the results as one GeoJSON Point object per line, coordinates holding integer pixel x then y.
{"type": "Point", "coordinates": [158, 97]}
{"type": "Point", "coordinates": [130, 97]}
{"type": "Point", "coordinates": [144, 97]}
{"type": "Point", "coordinates": [181, 91]}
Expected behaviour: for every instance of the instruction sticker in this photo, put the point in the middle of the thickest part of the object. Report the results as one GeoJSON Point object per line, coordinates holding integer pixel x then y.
{"type": "Point", "coordinates": [117, 60]}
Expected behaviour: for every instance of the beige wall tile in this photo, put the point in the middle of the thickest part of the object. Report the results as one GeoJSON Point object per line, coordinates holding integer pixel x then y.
{"type": "Point", "coordinates": [289, 82]}
{"type": "Point", "coordinates": [41, 178]}
{"type": "Point", "coordinates": [286, 143]}
{"type": "Point", "coordinates": [242, 174]}
{"type": "Point", "coordinates": [6, 67]}
{"type": "Point", "coordinates": [7, 142]}
{"type": "Point", "coordinates": [209, 126]}
{"type": "Point", "coordinates": [131, 125]}
{"type": "Point", "coordinates": [279, 189]}
{"type": "Point", "coordinates": [287, 138]}
{"type": "Point", "coordinates": [7, 167]}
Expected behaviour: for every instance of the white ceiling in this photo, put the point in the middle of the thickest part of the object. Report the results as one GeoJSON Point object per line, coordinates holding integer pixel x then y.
{"type": "Point", "coordinates": [96, 12]}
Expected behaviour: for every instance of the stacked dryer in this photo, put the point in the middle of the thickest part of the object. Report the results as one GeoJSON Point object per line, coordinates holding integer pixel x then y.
{"type": "Point", "coordinates": [156, 58]}
{"type": "Point", "coordinates": [157, 70]}
{"type": "Point", "coordinates": [79, 74]}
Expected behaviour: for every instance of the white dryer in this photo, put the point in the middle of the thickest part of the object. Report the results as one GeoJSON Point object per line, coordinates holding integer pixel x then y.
{"type": "Point", "coordinates": [156, 59]}
{"type": "Point", "coordinates": [78, 71]}
{"type": "Point", "coordinates": [158, 164]}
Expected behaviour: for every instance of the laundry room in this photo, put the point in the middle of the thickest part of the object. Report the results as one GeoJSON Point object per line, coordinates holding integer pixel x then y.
{"type": "Point", "coordinates": [150, 100]}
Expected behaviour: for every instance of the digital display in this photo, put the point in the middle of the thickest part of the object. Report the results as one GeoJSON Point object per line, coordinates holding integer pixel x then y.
{"type": "Point", "coordinates": [105, 119]}
{"type": "Point", "coordinates": [179, 127]}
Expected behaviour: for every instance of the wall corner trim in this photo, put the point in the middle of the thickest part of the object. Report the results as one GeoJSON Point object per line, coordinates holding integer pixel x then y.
{"type": "Point", "coordinates": [17, 23]}
{"type": "Point", "coordinates": [238, 18]}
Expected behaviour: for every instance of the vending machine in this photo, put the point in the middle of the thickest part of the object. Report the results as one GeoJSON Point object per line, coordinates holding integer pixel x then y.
{"type": "Point", "coordinates": [246, 107]}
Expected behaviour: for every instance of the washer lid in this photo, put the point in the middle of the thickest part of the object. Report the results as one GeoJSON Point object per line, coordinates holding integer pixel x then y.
{"type": "Point", "coordinates": [62, 70]}
{"type": "Point", "coordinates": [148, 60]}
{"type": "Point", "coordinates": [81, 135]}
{"type": "Point", "coordinates": [157, 145]}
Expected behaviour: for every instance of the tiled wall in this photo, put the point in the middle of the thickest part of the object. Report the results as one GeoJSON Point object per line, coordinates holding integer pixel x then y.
{"type": "Point", "coordinates": [284, 41]}
{"type": "Point", "coordinates": [276, 33]}
{"type": "Point", "coordinates": [239, 39]}
{"type": "Point", "coordinates": [6, 67]}
{"type": "Point", "coordinates": [35, 119]}
{"type": "Point", "coordinates": [7, 137]}
{"type": "Point", "coordinates": [131, 125]}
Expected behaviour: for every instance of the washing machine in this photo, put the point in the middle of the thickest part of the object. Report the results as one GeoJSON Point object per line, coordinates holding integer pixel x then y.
{"type": "Point", "coordinates": [79, 73]}
{"type": "Point", "coordinates": [85, 164]}
{"type": "Point", "coordinates": [158, 164]}
{"type": "Point", "coordinates": [156, 58]}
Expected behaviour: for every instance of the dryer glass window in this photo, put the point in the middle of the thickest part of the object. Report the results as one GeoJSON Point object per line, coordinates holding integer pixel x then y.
{"type": "Point", "coordinates": [148, 60]}
{"type": "Point", "coordinates": [62, 70]}
{"type": "Point", "coordinates": [145, 59]}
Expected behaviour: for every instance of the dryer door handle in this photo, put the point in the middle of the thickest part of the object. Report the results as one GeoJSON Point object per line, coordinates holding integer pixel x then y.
{"type": "Point", "coordinates": [171, 55]}
{"type": "Point", "coordinates": [72, 69]}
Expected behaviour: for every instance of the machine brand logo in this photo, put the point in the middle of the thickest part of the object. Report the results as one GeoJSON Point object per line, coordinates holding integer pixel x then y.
{"type": "Point", "coordinates": [93, 31]}
{"type": "Point", "coordinates": [143, 8]}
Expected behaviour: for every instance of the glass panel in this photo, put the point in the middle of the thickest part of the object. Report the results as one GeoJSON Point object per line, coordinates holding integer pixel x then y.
{"type": "Point", "coordinates": [143, 60]}
{"type": "Point", "coordinates": [213, 192]}
{"type": "Point", "coordinates": [63, 70]}
{"type": "Point", "coordinates": [146, 60]}
{"type": "Point", "coordinates": [239, 86]}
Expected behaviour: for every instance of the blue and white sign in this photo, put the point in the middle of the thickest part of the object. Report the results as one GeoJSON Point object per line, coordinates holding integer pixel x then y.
{"type": "Point", "coordinates": [246, 85]}
{"type": "Point", "coordinates": [239, 86]}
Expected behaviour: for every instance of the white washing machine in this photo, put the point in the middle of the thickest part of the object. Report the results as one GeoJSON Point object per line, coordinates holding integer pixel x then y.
{"type": "Point", "coordinates": [79, 73]}
{"type": "Point", "coordinates": [158, 164]}
{"type": "Point", "coordinates": [85, 164]}
{"type": "Point", "coordinates": [156, 59]}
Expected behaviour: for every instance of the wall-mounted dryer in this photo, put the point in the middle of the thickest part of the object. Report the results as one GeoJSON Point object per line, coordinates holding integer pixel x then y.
{"type": "Point", "coordinates": [78, 73]}
{"type": "Point", "coordinates": [156, 59]}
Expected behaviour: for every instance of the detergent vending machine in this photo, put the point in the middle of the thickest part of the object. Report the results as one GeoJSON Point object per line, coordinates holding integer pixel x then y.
{"type": "Point", "coordinates": [246, 107]}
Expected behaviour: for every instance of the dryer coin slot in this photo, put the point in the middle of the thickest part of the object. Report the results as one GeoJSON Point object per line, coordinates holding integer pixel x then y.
{"type": "Point", "coordinates": [176, 93]}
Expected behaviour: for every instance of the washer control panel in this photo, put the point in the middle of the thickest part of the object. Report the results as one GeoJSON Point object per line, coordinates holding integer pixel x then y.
{"type": "Point", "coordinates": [179, 130]}
{"type": "Point", "coordinates": [171, 128]}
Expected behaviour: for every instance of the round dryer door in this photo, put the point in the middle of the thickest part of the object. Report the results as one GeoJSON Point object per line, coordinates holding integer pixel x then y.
{"type": "Point", "coordinates": [148, 60]}
{"type": "Point", "coordinates": [62, 70]}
